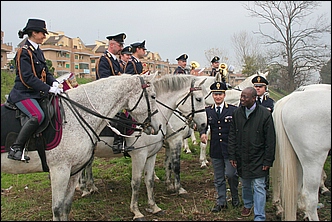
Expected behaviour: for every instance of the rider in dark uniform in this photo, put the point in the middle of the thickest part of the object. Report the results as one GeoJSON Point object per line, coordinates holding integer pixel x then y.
{"type": "Point", "coordinates": [215, 66]}
{"type": "Point", "coordinates": [182, 62]}
{"type": "Point", "coordinates": [108, 64]}
{"type": "Point", "coordinates": [135, 65]}
{"type": "Point", "coordinates": [33, 82]}
{"type": "Point", "coordinates": [125, 56]}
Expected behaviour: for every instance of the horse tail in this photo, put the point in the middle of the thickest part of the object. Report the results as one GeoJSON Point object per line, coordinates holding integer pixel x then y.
{"type": "Point", "coordinates": [284, 171]}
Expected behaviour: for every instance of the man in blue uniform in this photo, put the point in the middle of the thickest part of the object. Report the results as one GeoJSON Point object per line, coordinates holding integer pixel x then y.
{"type": "Point", "coordinates": [260, 84]}
{"type": "Point", "coordinates": [108, 64]}
{"type": "Point", "coordinates": [182, 62]}
{"type": "Point", "coordinates": [215, 65]}
{"type": "Point", "coordinates": [134, 65]}
{"type": "Point", "coordinates": [219, 118]}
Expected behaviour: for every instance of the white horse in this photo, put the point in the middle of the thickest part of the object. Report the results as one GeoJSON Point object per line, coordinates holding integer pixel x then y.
{"type": "Point", "coordinates": [174, 144]}
{"type": "Point", "coordinates": [232, 97]}
{"type": "Point", "coordinates": [172, 91]}
{"type": "Point", "coordinates": [107, 97]}
{"type": "Point", "coordinates": [303, 128]}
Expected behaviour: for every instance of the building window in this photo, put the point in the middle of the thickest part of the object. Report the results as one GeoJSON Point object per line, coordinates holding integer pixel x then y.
{"type": "Point", "coordinates": [67, 66]}
{"type": "Point", "coordinates": [93, 61]}
{"type": "Point", "coordinates": [76, 56]}
{"type": "Point", "coordinates": [76, 66]}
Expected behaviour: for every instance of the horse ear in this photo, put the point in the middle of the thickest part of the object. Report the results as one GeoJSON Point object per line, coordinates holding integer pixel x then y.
{"type": "Point", "coordinates": [201, 82]}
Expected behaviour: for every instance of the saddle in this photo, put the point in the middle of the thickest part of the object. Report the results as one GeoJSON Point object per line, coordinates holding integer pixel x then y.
{"type": "Point", "coordinates": [46, 137]}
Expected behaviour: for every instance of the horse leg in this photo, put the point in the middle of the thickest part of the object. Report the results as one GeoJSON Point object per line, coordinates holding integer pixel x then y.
{"type": "Point", "coordinates": [202, 156]}
{"type": "Point", "coordinates": [193, 137]}
{"type": "Point", "coordinates": [149, 183]}
{"type": "Point", "coordinates": [90, 183]}
{"type": "Point", "coordinates": [63, 188]}
{"type": "Point", "coordinates": [168, 168]}
{"type": "Point", "coordinates": [310, 189]}
{"type": "Point", "coordinates": [176, 161]}
{"type": "Point", "coordinates": [186, 148]}
{"type": "Point", "coordinates": [138, 161]}
{"type": "Point", "coordinates": [323, 189]}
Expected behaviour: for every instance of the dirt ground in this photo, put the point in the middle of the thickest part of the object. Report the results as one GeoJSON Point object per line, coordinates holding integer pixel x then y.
{"type": "Point", "coordinates": [195, 205]}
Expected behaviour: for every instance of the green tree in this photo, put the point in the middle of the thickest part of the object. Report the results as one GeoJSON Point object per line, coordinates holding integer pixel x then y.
{"type": "Point", "coordinates": [50, 66]}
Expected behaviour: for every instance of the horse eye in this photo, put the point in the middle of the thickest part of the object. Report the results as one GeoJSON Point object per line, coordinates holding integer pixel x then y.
{"type": "Point", "coordinates": [153, 97]}
{"type": "Point", "coordinates": [198, 99]}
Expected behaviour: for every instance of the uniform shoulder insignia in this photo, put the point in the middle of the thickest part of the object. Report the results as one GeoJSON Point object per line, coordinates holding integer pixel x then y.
{"type": "Point", "coordinates": [25, 47]}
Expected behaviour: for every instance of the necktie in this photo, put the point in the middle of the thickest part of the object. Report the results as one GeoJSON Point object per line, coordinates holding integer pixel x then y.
{"type": "Point", "coordinates": [259, 101]}
{"type": "Point", "coordinates": [218, 111]}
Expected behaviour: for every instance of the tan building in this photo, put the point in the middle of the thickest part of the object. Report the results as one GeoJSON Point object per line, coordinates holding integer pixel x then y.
{"type": "Point", "coordinates": [72, 55]}
{"type": "Point", "coordinates": [5, 49]}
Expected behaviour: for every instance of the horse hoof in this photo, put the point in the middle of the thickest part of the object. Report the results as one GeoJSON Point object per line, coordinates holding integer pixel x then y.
{"type": "Point", "coordinates": [326, 193]}
{"type": "Point", "coordinates": [159, 213]}
{"type": "Point", "coordinates": [139, 219]}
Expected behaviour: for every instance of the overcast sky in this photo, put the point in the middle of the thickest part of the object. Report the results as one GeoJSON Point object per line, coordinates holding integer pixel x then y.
{"type": "Point", "coordinates": [170, 28]}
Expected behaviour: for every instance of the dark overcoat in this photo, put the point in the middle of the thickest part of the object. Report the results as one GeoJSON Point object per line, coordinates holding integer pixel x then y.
{"type": "Point", "coordinates": [251, 142]}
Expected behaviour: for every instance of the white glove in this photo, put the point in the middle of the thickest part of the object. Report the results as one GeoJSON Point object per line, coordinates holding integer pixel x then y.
{"type": "Point", "coordinates": [55, 84]}
{"type": "Point", "coordinates": [55, 90]}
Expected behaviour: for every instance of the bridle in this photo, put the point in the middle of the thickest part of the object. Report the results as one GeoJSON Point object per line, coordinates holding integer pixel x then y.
{"type": "Point", "coordinates": [73, 107]}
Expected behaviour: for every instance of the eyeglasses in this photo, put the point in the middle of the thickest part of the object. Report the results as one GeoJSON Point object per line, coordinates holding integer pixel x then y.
{"type": "Point", "coordinates": [119, 44]}
{"type": "Point", "coordinates": [258, 86]}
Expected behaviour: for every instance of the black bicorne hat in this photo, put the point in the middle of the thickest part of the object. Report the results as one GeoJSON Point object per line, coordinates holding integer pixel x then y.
{"type": "Point", "coordinates": [118, 38]}
{"type": "Point", "coordinates": [218, 87]}
{"type": "Point", "coordinates": [259, 81]}
{"type": "Point", "coordinates": [139, 45]}
{"type": "Point", "coordinates": [182, 57]}
{"type": "Point", "coordinates": [215, 59]}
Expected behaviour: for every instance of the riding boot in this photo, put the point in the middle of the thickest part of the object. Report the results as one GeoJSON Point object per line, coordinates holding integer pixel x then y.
{"type": "Point", "coordinates": [117, 144]}
{"type": "Point", "coordinates": [16, 150]}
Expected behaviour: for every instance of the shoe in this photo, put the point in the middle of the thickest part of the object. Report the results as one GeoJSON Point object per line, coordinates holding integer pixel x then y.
{"type": "Point", "coordinates": [235, 203]}
{"type": "Point", "coordinates": [217, 208]}
{"type": "Point", "coordinates": [16, 154]}
{"type": "Point", "coordinates": [246, 212]}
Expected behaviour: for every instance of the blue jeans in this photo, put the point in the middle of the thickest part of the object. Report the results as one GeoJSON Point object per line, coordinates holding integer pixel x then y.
{"type": "Point", "coordinates": [222, 169]}
{"type": "Point", "coordinates": [254, 194]}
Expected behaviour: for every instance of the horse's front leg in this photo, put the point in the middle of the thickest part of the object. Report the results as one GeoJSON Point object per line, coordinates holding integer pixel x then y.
{"type": "Point", "coordinates": [202, 155]}
{"type": "Point", "coordinates": [63, 188]}
{"type": "Point", "coordinates": [168, 167]}
{"type": "Point", "coordinates": [186, 148]}
{"type": "Point", "coordinates": [149, 183]}
{"type": "Point", "coordinates": [176, 165]}
{"type": "Point", "coordinates": [138, 161]}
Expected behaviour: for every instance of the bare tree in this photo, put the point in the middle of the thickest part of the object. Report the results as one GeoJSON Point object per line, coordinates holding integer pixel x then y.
{"type": "Point", "coordinates": [221, 53]}
{"type": "Point", "coordinates": [248, 53]}
{"type": "Point", "coordinates": [299, 50]}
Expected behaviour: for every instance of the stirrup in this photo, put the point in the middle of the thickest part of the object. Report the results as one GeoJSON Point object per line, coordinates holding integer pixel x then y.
{"type": "Point", "coordinates": [24, 158]}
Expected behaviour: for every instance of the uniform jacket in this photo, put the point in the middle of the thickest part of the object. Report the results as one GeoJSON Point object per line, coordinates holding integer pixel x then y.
{"type": "Point", "coordinates": [105, 68]}
{"type": "Point", "coordinates": [27, 85]}
{"type": "Point", "coordinates": [213, 72]}
{"type": "Point", "coordinates": [134, 66]}
{"type": "Point", "coordinates": [251, 142]}
{"type": "Point", "coordinates": [219, 127]}
{"type": "Point", "coordinates": [268, 102]}
{"type": "Point", "coordinates": [180, 70]}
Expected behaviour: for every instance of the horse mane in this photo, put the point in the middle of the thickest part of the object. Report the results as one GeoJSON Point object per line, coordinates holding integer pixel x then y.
{"type": "Point", "coordinates": [169, 83]}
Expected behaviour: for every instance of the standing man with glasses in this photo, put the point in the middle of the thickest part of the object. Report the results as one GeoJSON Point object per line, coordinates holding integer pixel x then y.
{"type": "Point", "coordinates": [251, 148]}
{"type": "Point", "coordinates": [219, 119]}
{"type": "Point", "coordinates": [108, 64]}
{"type": "Point", "coordinates": [260, 84]}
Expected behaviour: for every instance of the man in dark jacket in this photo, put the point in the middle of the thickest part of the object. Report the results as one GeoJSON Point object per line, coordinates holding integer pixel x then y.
{"type": "Point", "coordinates": [251, 148]}
{"type": "Point", "coordinates": [219, 119]}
